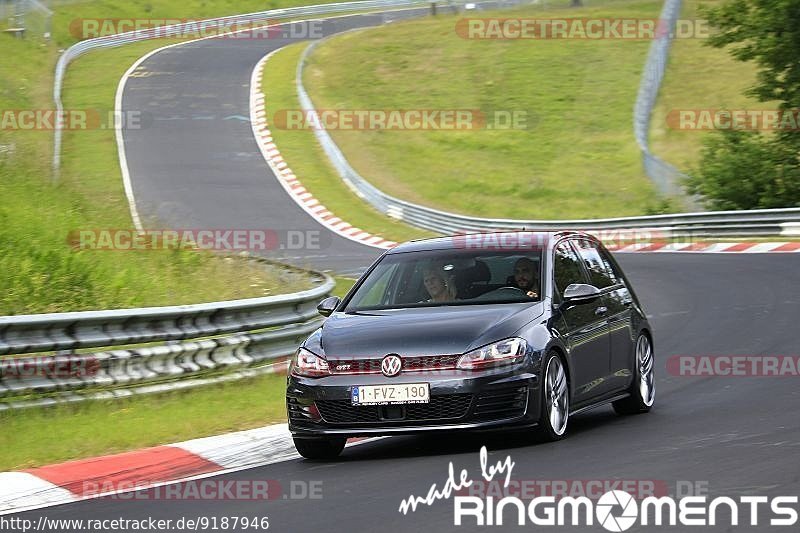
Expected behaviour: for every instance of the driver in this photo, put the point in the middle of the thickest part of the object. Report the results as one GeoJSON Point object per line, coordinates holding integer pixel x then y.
{"type": "Point", "coordinates": [525, 278]}
{"type": "Point", "coordinates": [437, 286]}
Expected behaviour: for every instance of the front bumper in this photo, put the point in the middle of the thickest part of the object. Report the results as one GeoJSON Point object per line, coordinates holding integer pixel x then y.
{"type": "Point", "coordinates": [459, 401]}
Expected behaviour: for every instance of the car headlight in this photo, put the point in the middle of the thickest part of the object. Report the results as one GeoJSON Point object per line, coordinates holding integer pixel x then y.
{"type": "Point", "coordinates": [308, 364]}
{"type": "Point", "coordinates": [503, 352]}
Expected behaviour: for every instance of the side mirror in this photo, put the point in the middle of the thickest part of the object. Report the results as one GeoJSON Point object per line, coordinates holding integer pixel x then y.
{"type": "Point", "coordinates": [581, 293]}
{"type": "Point", "coordinates": [328, 305]}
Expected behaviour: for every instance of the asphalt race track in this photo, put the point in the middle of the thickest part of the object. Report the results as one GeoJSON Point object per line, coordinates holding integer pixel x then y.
{"type": "Point", "coordinates": [741, 435]}
{"type": "Point", "coordinates": [197, 164]}
{"type": "Point", "coordinates": [735, 435]}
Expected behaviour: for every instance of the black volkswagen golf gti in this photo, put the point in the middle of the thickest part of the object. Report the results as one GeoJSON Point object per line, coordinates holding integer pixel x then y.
{"type": "Point", "coordinates": [473, 332]}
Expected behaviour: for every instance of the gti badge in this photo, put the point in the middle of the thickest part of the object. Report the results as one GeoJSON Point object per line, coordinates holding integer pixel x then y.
{"type": "Point", "coordinates": [390, 366]}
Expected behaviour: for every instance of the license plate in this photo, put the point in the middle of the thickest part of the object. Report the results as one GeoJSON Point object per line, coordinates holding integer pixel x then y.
{"type": "Point", "coordinates": [391, 394]}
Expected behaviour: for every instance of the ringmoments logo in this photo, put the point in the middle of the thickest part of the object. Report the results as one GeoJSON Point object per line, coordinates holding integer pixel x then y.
{"type": "Point", "coordinates": [618, 510]}
{"type": "Point", "coordinates": [615, 509]}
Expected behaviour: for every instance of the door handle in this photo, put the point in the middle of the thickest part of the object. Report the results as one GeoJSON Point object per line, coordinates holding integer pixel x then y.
{"type": "Point", "coordinates": [601, 311]}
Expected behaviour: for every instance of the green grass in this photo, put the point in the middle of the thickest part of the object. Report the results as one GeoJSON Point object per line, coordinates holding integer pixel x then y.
{"type": "Point", "coordinates": [342, 286]}
{"type": "Point", "coordinates": [42, 274]}
{"type": "Point", "coordinates": [36, 437]}
{"type": "Point", "coordinates": [68, 13]}
{"type": "Point", "coordinates": [698, 77]}
{"type": "Point", "coordinates": [577, 160]}
{"type": "Point", "coordinates": [40, 436]}
{"type": "Point", "coordinates": [310, 164]}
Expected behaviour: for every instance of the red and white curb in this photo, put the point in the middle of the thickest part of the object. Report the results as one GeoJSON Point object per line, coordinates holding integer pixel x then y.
{"type": "Point", "coordinates": [151, 467]}
{"type": "Point", "coordinates": [710, 247]}
{"type": "Point", "coordinates": [287, 178]}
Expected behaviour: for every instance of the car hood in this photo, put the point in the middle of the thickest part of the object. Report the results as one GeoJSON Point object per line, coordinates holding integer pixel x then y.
{"type": "Point", "coordinates": [420, 331]}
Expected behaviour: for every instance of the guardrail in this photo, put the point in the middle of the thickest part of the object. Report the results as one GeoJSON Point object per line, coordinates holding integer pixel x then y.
{"type": "Point", "coordinates": [666, 177]}
{"type": "Point", "coordinates": [178, 347]}
{"type": "Point", "coordinates": [765, 222]}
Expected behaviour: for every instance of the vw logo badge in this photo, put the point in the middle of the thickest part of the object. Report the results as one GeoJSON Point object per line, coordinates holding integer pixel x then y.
{"type": "Point", "coordinates": [390, 366]}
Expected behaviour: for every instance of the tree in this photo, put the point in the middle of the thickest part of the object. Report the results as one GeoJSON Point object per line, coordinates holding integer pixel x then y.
{"type": "Point", "coordinates": [743, 170]}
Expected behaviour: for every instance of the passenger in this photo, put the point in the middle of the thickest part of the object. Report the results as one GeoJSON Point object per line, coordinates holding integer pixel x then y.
{"type": "Point", "coordinates": [437, 286]}
{"type": "Point", "coordinates": [525, 277]}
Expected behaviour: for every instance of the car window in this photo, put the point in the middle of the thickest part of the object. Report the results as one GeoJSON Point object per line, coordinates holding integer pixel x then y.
{"type": "Point", "coordinates": [614, 271]}
{"type": "Point", "coordinates": [449, 277]}
{"type": "Point", "coordinates": [566, 268]}
{"type": "Point", "coordinates": [376, 293]}
{"type": "Point", "coordinates": [600, 272]}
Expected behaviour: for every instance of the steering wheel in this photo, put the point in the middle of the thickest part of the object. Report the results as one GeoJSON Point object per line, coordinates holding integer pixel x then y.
{"type": "Point", "coordinates": [509, 287]}
{"type": "Point", "coordinates": [498, 293]}
{"type": "Point", "coordinates": [528, 293]}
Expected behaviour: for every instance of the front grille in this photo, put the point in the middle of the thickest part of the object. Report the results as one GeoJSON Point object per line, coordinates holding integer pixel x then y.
{"type": "Point", "coordinates": [444, 407]}
{"type": "Point", "coordinates": [355, 366]}
{"type": "Point", "coordinates": [342, 412]}
{"type": "Point", "coordinates": [410, 364]}
{"type": "Point", "coordinates": [430, 362]}
{"type": "Point", "coordinates": [498, 403]}
{"type": "Point", "coordinates": [441, 407]}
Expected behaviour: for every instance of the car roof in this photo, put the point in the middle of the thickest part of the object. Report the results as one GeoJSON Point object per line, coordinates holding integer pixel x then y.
{"type": "Point", "coordinates": [494, 239]}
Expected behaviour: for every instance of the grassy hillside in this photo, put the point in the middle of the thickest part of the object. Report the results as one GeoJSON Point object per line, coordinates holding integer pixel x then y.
{"type": "Point", "coordinates": [307, 160]}
{"type": "Point", "coordinates": [578, 157]}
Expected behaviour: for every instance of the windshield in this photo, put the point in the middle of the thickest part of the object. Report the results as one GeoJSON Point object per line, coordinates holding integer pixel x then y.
{"type": "Point", "coordinates": [447, 277]}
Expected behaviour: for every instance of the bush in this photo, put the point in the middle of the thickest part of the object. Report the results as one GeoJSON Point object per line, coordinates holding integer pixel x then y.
{"type": "Point", "coordinates": [747, 170]}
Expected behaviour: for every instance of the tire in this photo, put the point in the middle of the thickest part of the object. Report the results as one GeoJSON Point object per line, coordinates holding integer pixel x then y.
{"type": "Point", "coordinates": [643, 389]}
{"type": "Point", "coordinates": [554, 399]}
{"type": "Point", "coordinates": [320, 449]}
